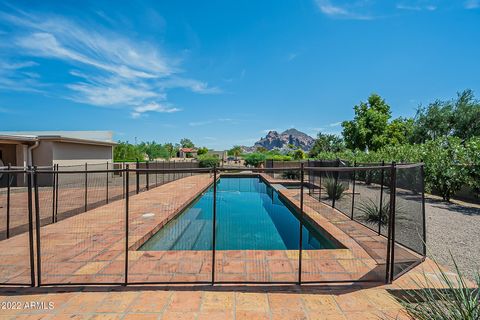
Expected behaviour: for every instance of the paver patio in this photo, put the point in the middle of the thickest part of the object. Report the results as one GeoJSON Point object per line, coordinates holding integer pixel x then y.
{"type": "Point", "coordinates": [213, 302]}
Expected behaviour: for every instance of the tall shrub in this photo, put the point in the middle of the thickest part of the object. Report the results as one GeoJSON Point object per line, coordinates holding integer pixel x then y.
{"type": "Point", "coordinates": [208, 161]}
{"type": "Point", "coordinates": [473, 165]}
{"type": "Point", "coordinates": [444, 171]}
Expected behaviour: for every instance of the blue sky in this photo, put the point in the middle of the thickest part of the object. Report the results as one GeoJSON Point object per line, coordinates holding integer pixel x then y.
{"type": "Point", "coordinates": [224, 72]}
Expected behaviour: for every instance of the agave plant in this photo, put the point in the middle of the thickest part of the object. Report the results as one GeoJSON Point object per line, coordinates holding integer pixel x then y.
{"type": "Point", "coordinates": [291, 175]}
{"type": "Point", "coordinates": [373, 213]}
{"type": "Point", "coordinates": [334, 190]}
{"type": "Point", "coordinates": [457, 300]}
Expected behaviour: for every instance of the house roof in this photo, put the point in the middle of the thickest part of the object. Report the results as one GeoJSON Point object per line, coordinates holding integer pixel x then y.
{"type": "Point", "coordinates": [82, 137]}
{"type": "Point", "coordinates": [188, 149]}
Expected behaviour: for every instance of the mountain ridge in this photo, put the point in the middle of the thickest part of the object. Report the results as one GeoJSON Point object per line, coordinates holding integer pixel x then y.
{"type": "Point", "coordinates": [275, 140]}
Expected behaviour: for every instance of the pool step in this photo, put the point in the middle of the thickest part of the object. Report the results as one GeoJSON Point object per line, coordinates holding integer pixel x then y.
{"type": "Point", "coordinates": [189, 237]}
{"type": "Point", "coordinates": [176, 228]}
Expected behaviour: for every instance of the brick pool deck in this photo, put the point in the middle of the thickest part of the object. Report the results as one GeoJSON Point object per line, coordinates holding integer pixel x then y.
{"type": "Point", "coordinates": [347, 302]}
{"type": "Point", "coordinates": [90, 247]}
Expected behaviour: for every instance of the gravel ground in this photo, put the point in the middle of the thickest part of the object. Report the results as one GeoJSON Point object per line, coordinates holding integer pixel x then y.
{"type": "Point", "coordinates": [455, 228]}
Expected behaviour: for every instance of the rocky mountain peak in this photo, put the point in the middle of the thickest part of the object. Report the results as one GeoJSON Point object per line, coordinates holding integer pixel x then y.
{"type": "Point", "coordinates": [273, 140]}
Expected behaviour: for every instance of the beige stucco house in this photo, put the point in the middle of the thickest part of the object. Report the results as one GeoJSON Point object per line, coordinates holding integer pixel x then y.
{"type": "Point", "coordinates": [47, 148]}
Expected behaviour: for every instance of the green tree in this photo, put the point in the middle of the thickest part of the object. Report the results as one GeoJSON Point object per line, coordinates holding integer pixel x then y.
{"type": "Point", "coordinates": [125, 151]}
{"type": "Point", "coordinates": [473, 163]}
{"type": "Point", "coordinates": [434, 121]}
{"type": "Point", "coordinates": [235, 151]}
{"type": "Point", "coordinates": [466, 115]}
{"type": "Point", "coordinates": [298, 154]}
{"type": "Point", "coordinates": [153, 150]}
{"type": "Point", "coordinates": [186, 143]}
{"type": "Point", "coordinates": [399, 131]}
{"type": "Point", "coordinates": [202, 150]}
{"type": "Point", "coordinates": [459, 117]}
{"type": "Point", "coordinates": [366, 130]}
{"type": "Point", "coordinates": [261, 149]}
{"type": "Point", "coordinates": [255, 159]}
{"type": "Point", "coordinates": [326, 143]}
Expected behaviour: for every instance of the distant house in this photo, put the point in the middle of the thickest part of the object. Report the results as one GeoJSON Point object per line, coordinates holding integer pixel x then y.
{"type": "Point", "coordinates": [222, 155]}
{"type": "Point", "coordinates": [187, 153]}
{"type": "Point", "coordinates": [47, 148]}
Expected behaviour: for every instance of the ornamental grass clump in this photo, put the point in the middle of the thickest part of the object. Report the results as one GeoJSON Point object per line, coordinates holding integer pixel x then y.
{"type": "Point", "coordinates": [458, 300]}
{"type": "Point", "coordinates": [373, 213]}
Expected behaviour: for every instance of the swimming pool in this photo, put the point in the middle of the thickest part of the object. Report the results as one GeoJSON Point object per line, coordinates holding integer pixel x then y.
{"type": "Point", "coordinates": [250, 216]}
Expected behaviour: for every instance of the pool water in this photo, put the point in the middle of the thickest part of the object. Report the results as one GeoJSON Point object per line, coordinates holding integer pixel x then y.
{"type": "Point", "coordinates": [250, 216]}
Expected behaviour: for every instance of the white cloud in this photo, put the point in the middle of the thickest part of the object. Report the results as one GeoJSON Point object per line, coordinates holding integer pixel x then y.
{"type": "Point", "coordinates": [194, 85]}
{"type": "Point", "coordinates": [17, 65]}
{"type": "Point", "coordinates": [292, 56]}
{"type": "Point", "coordinates": [408, 7]}
{"type": "Point", "coordinates": [152, 107]}
{"type": "Point", "coordinates": [204, 123]}
{"type": "Point", "coordinates": [472, 4]}
{"type": "Point", "coordinates": [13, 77]}
{"type": "Point", "coordinates": [328, 8]}
{"type": "Point", "coordinates": [335, 124]}
{"type": "Point", "coordinates": [114, 70]}
{"type": "Point", "coordinates": [199, 123]}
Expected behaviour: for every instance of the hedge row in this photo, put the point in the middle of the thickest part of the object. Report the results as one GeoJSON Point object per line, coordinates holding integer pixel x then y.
{"type": "Point", "coordinates": [450, 163]}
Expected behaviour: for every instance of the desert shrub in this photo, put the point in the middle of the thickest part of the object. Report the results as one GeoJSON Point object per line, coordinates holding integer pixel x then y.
{"type": "Point", "coordinates": [206, 161]}
{"type": "Point", "coordinates": [334, 190]}
{"type": "Point", "coordinates": [373, 213]}
{"type": "Point", "coordinates": [254, 159]}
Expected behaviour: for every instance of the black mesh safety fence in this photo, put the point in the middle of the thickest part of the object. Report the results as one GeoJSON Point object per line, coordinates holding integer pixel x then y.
{"type": "Point", "coordinates": [258, 227]}
{"type": "Point", "coordinates": [81, 240]}
{"type": "Point", "coordinates": [370, 208]}
{"type": "Point", "coordinates": [173, 222]}
{"type": "Point", "coordinates": [348, 207]}
{"type": "Point", "coordinates": [15, 222]}
{"type": "Point", "coordinates": [170, 227]}
{"type": "Point", "coordinates": [409, 220]}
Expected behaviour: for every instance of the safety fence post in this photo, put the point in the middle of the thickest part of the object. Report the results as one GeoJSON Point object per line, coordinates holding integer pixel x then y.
{"type": "Point", "coordinates": [37, 226]}
{"type": "Point", "coordinates": [380, 208]}
{"type": "Point", "coordinates": [86, 186]}
{"type": "Point", "coordinates": [424, 225]}
{"type": "Point", "coordinates": [335, 184]}
{"type": "Point", "coordinates": [137, 177]}
{"type": "Point", "coordinates": [214, 221]}
{"type": "Point", "coordinates": [54, 186]}
{"type": "Point", "coordinates": [30, 226]}
{"type": "Point", "coordinates": [147, 164]}
{"type": "Point", "coordinates": [300, 246]}
{"type": "Point", "coordinates": [391, 227]}
{"type": "Point", "coordinates": [8, 201]}
{"type": "Point", "coordinates": [107, 185]}
{"type": "Point", "coordinates": [126, 171]}
{"type": "Point", "coordinates": [56, 192]}
{"type": "Point", "coordinates": [353, 188]}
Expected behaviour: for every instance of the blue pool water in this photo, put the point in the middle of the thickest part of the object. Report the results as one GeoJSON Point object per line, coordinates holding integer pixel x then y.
{"type": "Point", "coordinates": [250, 216]}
